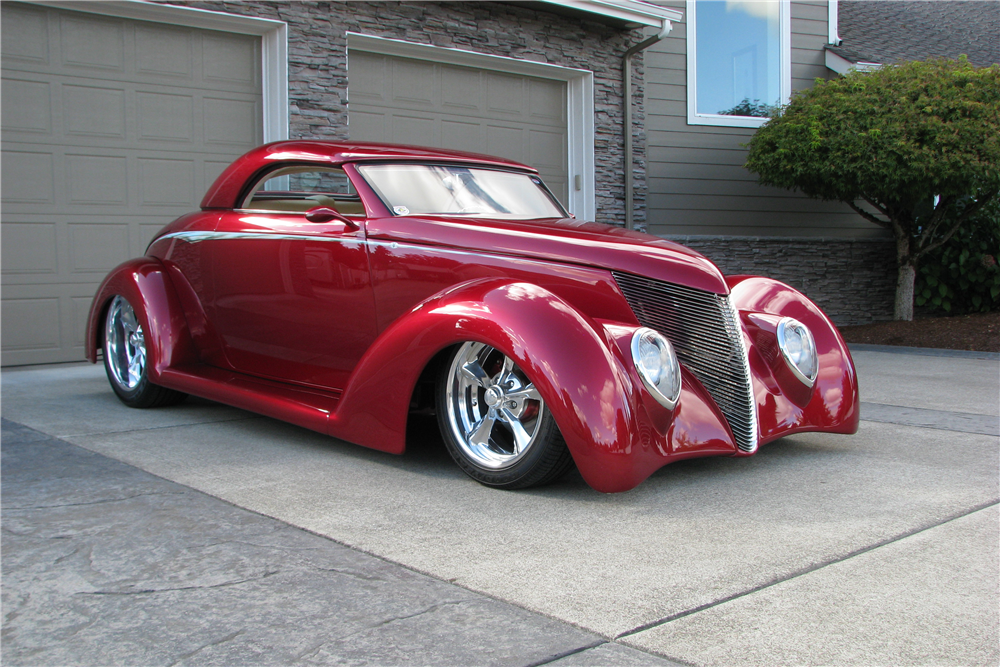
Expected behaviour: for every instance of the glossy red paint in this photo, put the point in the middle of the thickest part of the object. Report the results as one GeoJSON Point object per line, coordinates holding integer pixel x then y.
{"type": "Point", "coordinates": [297, 309]}
{"type": "Point", "coordinates": [590, 386]}
{"type": "Point", "coordinates": [565, 241]}
{"type": "Point", "coordinates": [147, 287]}
{"type": "Point", "coordinates": [329, 325]}
{"type": "Point", "coordinates": [783, 407]}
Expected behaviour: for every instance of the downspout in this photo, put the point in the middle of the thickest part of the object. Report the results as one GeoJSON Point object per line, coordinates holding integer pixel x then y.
{"type": "Point", "coordinates": [627, 78]}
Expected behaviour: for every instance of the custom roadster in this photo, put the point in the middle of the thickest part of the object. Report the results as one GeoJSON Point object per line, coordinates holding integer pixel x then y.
{"type": "Point", "coordinates": [342, 286]}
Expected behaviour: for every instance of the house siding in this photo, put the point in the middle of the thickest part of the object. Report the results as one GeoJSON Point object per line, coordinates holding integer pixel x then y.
{"type": "Point", "coordinates": [319, 78]}
{"type": "Point", "coordinates": [696, 181]}
{"type": "Point", "coordinates": [701, 195]}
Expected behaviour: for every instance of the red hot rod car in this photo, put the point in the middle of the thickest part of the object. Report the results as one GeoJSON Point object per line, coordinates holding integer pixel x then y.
{"type": "Point", "coordinates": [337, 286]}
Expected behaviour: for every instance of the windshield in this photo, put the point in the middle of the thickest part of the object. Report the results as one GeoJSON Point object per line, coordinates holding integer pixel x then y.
{"type": "Point", "coordinates": [424, 189]}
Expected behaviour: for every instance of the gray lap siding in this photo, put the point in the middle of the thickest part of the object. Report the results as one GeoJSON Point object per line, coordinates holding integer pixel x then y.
{"type": "Point", "coordinates": [700, 194]}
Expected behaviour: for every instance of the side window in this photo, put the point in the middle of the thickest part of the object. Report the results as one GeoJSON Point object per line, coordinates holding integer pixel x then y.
{"type": "Point", "coordinates": [297, 189]}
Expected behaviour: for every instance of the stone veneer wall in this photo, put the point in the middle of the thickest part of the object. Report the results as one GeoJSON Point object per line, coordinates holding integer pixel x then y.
{"type": "Point", "coordinates": [319, 78]}
{"type": "Point", "coordinates": [852, 280]}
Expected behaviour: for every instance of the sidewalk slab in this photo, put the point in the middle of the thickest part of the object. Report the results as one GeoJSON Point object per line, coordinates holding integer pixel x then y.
{"type": "Point", "coordinates": [106, 564]}
{"type": "Point", "coordinates": [941, 584]}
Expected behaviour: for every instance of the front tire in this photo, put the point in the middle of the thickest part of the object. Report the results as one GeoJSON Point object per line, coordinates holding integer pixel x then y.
{"type": "Point", "coordinates": [125, 360]}
{"type": "Point", "coordinates": [495, 423]}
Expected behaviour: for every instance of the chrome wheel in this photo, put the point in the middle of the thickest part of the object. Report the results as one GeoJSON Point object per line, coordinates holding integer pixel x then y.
{"type": "Point", "coordinates": [125, 345]}
{"type": "Point", "coordinates": [495, 413]}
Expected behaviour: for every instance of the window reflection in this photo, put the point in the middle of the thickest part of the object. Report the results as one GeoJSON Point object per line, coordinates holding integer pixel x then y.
{"type": "Point", "coordinates": [420, 189]}
{"type": "Point", "coordinates": [738, 57]}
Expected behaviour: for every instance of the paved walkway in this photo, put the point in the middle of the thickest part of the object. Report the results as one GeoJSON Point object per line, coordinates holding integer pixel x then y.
{"type": "Point", "coordinates": [205, 535]}
{"type": "Point", "coordinates": [104, 564]}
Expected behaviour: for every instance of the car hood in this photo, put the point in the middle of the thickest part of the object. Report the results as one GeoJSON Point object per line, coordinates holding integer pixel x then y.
{"type": "Point", "coordinates": [569, 241]}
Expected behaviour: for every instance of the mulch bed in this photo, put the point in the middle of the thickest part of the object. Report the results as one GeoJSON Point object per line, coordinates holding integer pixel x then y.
{"type": "Point", "coordinates": [979, 332]}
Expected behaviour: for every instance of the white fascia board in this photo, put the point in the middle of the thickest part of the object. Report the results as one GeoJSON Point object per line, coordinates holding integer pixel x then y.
{"type": "Point", "coordinates": [189, 17]}
{"type": "Point", "coordinates": [842, 65]}
{"type": "Point", "coordinates": [642, 13]}
{"type": "Point", "coordinates": [837, 63]}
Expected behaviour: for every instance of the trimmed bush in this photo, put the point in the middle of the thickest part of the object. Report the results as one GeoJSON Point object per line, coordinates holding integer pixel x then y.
{"type": "Point", "coordinates": [888, 141]}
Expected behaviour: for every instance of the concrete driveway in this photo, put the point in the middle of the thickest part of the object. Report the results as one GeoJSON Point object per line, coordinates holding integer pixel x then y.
{"type": "Point", "coordinates": [874, 549]}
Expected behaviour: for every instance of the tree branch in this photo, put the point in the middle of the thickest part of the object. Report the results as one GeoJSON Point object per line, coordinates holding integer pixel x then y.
{"type": "Point", "coordinates": [868, 216]}
{"type": "Point", "coordinates": [969, 210]}
{"type": "Point", "coordinates": [878, 207]}
{"type": "Point", "coordinates": [937, 217]}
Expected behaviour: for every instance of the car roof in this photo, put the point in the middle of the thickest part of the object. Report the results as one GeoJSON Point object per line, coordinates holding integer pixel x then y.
{"type": "Point", "coordinates": [229, 184]}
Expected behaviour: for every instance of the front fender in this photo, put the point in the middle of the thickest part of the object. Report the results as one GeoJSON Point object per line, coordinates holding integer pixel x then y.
{"type": "Point", "coordinates": [582, 382]}
{"type": "Point", "coordinates": [833, 403]}
{"type": "Point", "coordinates": [145, 284]}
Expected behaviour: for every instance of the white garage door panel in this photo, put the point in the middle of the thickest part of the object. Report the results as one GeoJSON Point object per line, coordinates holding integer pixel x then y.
{"type": "Point", "coordinates": [111, 128]}
{"type": "Point", "coordinates": [408, 101]}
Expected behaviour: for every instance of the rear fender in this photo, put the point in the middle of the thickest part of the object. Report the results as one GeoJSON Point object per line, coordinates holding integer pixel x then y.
{"type": "Point", "coordinates": [833, 403]}
{"type": "Point", "coordinates": [562, 351]}
{"type": "Point", "coordinates": [145, 284]}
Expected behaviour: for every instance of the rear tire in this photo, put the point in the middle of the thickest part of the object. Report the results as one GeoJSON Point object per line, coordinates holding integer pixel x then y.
{"type": "Point", "coordinates": [494, 422]}
{"type": "Point", "coordinates": [125, 360]}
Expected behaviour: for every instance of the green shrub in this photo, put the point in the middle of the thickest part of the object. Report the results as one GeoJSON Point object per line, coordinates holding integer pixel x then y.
{"type": "Point", "coordinates": [962, 276]}
{"type": "Point", "coordinates": [892, 137]}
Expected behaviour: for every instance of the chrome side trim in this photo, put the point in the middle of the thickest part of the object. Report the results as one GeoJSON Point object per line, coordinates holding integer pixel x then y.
{"type": "Point", "coordinates": [393, 245]}
{"type": "Point", "coordinates": [198, 237]}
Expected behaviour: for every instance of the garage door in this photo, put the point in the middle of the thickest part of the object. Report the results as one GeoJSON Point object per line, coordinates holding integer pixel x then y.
{"type": "Point", "coordinates": [111, 128]}
{"type": "Point", "coordinates": [409, 101]}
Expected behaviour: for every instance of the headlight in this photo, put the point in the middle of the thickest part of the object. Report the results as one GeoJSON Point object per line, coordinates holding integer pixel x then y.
{"type": "Point", "coordinates": [657, 364]}
{"type": "Point", "coordinates": [799, 350]}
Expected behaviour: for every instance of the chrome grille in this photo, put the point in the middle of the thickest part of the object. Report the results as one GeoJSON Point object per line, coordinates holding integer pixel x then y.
{"type": "Point", "coordinates": [704, 330]}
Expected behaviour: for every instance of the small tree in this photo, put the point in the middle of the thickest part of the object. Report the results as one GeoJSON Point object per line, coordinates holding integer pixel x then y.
{"type": "Point", "coordinates": [919, 142]}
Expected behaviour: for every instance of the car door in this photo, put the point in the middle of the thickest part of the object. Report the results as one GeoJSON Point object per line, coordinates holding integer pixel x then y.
{"type": "Point", "coordinates": [292, 297]}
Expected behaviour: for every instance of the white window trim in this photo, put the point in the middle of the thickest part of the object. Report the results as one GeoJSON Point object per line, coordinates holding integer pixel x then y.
{"type": "Point", "coordinates": [273, 34]}
{"type": "Point", "coordinates": [785, 83]}
{"type": "Point", "coordinates": [579, 103]}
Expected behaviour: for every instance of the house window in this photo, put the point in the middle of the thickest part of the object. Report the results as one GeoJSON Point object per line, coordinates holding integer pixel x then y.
{"type": "Point", "coordinates": [739, 65]}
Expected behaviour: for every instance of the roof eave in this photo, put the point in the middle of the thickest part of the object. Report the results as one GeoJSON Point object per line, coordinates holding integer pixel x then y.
{"type": "Point", "coordinates": [619, 13]}
{"type": "Point", "coordinates": [842, 65]}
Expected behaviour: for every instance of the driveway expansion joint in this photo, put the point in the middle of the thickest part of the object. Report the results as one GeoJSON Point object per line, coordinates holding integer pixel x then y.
{"type": "Point", "coordinates": [566, 654]}
{"type": "Point", "coordinates": [945, 420]}
{"type": "Point", "coordinates": [804, 571]}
